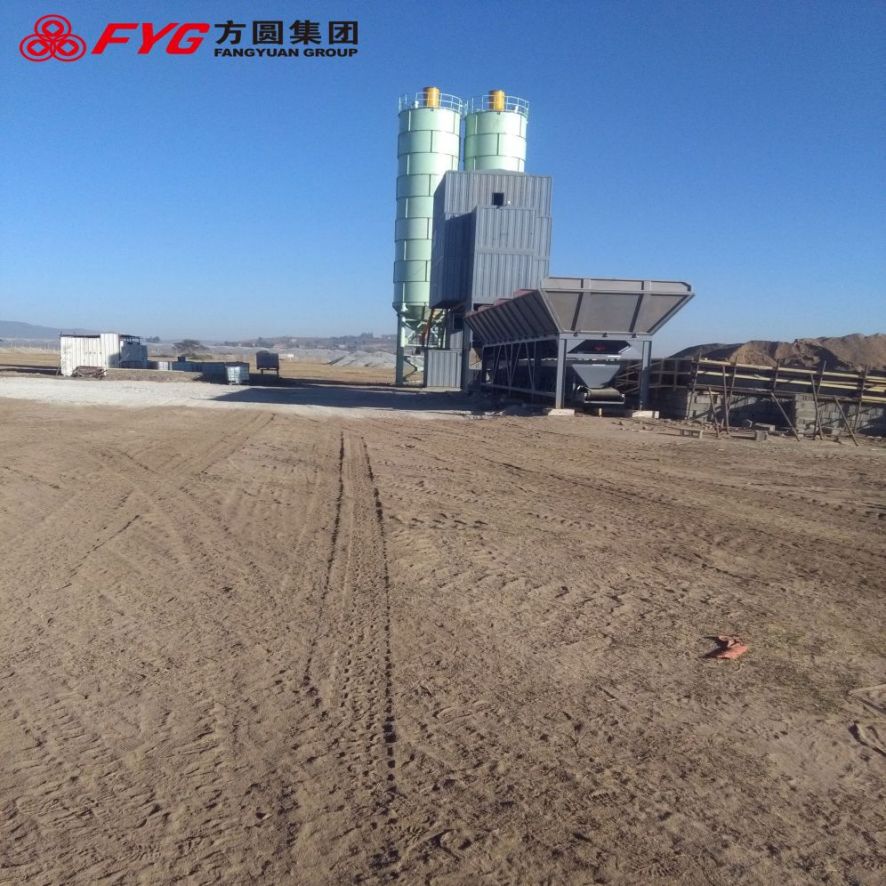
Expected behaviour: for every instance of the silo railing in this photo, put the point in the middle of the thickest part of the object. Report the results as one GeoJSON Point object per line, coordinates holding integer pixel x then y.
{"type": "Point", "coordinates": [425, 100]}
{"type": "Point", "coordinates": [491, 102]}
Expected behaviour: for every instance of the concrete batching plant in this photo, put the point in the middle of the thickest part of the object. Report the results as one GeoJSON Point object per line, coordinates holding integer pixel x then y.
{"type": "Point", "coordinates": [429, 145]}
{"type": "Point", "coordinates": [474, 229]}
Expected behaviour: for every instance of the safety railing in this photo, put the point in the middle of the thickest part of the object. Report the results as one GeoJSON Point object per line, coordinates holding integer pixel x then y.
{"type": "Point", "coordinates": [496, 102]}
{"type": "Point", "coordinates": [427, 99]}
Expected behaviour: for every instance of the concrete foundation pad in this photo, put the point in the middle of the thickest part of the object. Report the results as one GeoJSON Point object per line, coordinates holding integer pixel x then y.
{"type": "Point", "coordinates": [641, 413]}
{"type": "Point", "coordinates": [559, 411]}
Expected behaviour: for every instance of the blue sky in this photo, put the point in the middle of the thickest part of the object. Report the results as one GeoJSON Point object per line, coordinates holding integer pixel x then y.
{"type": "Point", "coordinates": [739, 146]}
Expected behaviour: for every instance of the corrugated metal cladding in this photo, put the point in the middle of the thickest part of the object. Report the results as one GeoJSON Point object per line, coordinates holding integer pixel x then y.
{"type": "Point", "coordinates": [492, 235]}
{"type": "Point", "coordinates": [102, 351]}
{"type": "Point", "coordinates": [518, 319]}
{"type": "Point", "coordinates": [499, 274]}
{"type": "Point", "coordinates": [512, 230]}
{"type": "Point", "coordinates": [585, 304]}
{"type": "Point", "coordinates": [443, 368]}
{"type": "Point", "coordinates": [451, 269]}
{"type": "Point", "coordinates": [462, 191]}
{"type": "Point", "coordinates": [641, 308]}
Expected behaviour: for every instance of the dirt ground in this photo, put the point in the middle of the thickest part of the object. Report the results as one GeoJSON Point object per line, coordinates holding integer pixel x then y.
{"type": "Point", "coordinates": [242, 645]}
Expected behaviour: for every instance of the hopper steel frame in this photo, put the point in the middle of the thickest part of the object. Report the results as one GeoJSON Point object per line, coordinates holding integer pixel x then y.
{"type": "Point", "coordinates": [529, 343]}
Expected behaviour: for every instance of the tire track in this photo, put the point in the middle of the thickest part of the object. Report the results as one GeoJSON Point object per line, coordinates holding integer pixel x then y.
{"type": "Point", "coordinates": [390, 853]}
{"type": "Point", "coordinates": [234, 687]}
{"type": "Point", "coordinates": [203, 694]}
{"type": "Point", "coordinates": [350, 739]}
{"type": "Point", "coordinates": [308, 683]}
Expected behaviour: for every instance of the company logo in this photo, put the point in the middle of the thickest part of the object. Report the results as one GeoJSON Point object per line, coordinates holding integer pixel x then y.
{"type": "Point", "coordinates": [52, 38]}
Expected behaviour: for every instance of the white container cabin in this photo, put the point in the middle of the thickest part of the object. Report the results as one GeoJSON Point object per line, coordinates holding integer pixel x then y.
{"type": "Point", "coordinates": [101, 350]}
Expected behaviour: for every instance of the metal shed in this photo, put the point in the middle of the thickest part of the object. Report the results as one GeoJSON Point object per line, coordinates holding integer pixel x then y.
{"type": "Point", "coordinates": [269, 360]}
{"type": "Point", "coordinates": [101, 350]}
{"type": "Point", "coordinates": [568, 338]}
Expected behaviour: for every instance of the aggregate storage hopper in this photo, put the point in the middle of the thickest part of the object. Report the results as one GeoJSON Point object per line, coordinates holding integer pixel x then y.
{"type": "Point", "coordinates": [567, 339]}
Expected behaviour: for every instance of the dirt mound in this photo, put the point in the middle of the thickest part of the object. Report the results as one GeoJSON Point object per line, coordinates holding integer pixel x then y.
{"type": "Point", "coordinates": [849, 352]}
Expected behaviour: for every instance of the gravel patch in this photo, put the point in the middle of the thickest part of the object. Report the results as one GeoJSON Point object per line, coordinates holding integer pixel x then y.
{"type": "Point", "coordinates": [313, 400]}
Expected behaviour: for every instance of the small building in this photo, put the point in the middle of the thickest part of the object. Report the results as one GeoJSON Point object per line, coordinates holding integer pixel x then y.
{"type": "Point", "coordinates": [101, 350]}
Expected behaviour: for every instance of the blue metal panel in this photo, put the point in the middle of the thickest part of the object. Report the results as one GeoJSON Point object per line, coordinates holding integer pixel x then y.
{"type": "Point", "coordinates": [462, 191]}
{"type": "Point", "coordinates": [499, 274]}
{"type": "Point", "coordinates": [510, 236]}
{"type": "Point", "coordinates": [505, 229]}
{"type": "Point", "coordinates": [443, 368]}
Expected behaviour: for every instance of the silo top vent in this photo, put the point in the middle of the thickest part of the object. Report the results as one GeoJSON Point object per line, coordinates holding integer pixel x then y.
{"type": "Point", "coordinates": [431, 97]}
{"type": "Point", "coordinates": [496, 100]}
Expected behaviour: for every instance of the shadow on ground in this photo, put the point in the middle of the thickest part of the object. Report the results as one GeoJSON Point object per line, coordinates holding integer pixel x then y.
{"type": "Point", "coordinates": [27, 369]}
{"type": "Point", "coordinates": [355, 396]}
{"type": "Point", "coordinates": [274, 381]}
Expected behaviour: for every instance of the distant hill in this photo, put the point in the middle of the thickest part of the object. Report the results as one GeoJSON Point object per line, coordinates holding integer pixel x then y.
{"type": "Point", "coordinates": [849, 352]}
{"type": "Point", "coordinates": [13, 329]}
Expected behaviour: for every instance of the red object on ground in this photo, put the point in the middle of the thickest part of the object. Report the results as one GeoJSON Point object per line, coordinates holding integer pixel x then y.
{"type": "Point", "coordinates": [729, 647]}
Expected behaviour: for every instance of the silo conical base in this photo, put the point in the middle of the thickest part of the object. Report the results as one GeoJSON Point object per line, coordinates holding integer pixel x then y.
{"type": "Point", "coordinates": [418, 329]}
{"type": "Point", "coordinates": [409, 331]}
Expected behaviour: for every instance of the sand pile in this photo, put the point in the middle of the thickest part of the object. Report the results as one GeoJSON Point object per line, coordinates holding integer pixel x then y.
{"type": "Point", "coordinates": [849, 352]}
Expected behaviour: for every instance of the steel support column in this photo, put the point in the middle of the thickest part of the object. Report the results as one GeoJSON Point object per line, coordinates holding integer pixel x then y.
{"type": "Point", "coordinates": [561, 372]}
{"type": "Point", "coordinates": [646, 361]}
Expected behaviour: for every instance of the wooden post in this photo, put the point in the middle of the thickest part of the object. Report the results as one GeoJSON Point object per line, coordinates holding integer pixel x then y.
{"type": "Point", "coordinates": [725, 401]}
{"type": "Point", "coordinates": [781, 409]}
{"type": "Point", "coordinates": [858, 402]}
{"type": "Point", "coordinates": [732, 384]}
{"type": "Point", "coordinates": [713, 415]}
{"type": "Point", "coordinates": [817, 428]}
{"type": "Point", "coordinates": [846, 421]}
{"type": "Point", "coordinates": [691, 401]}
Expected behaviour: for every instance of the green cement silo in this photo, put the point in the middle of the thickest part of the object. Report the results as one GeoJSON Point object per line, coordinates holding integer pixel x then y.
{"type": "Point", "coordinates": [495, 132]}
{"type": "Point", "coordinates": [427, 147]}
